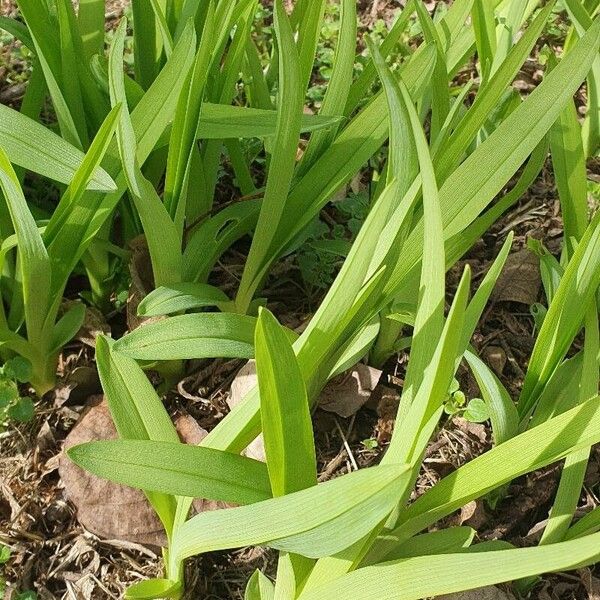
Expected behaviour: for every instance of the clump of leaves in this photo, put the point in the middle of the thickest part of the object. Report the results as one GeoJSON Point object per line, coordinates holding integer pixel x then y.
{"type": "Point", "coordinates": [326, 246]}
{"type": "Point", "coordinates": [13, 406]}
{"type": "Point", "coordinates": [358, 535]}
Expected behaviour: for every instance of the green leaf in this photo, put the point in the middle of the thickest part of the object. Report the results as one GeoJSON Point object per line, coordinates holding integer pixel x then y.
{"type": "Point", "coordinates": [488, 97]}
{"type": "Point", "coordinates": [145, 44]}
{"type": "Point", "coordinates": [215, 235]}
{"type": "Point", "coordinates": [162, 235]}
{"type": "Point", "coordinates": [568, 163]}
{"type": "Point", "coordinates": [136, 410]}
{"type": "Point", "coordinates": [591, 125]}
{"type": "Point", "coordinates": [588, 524]}
{"type": "Point", "coordinates": [283, 157]}
{"type": "Point", "coordinates": [510, 144]}
{"type": "Point", "coordinates": [476, 411]}
{"type": "Point", "coordinates": [574, 296]}
{"type": "Point", "coordinates": [156, 109]}
{"type": "Point", "coordinates": [67, 326]}
{"type": "Point", "coordinates": [90, 17]}
{"type": "Point", "coordinates": [327, 518]}
{"type": "Point", "coordinates": [425, 576]}
{"type": "Point", "coordinates": [482, 175]}
{"type": "Point", "coordinates": [308, 17]}
{"type": "Point", "coordinates": [481, 296]}
{"type": "Point", "coordinates": [22, 410]}
{"type": "Point", "coordinates": [177, 469]}
{"type": "Point", "coordinates": [524, 453]}
{"type": "Point", "coordinates": [575, 467]}
{"type": "Point", "coordinates": [285, 413]}
{"type": "Point", "coordinates": [339, 83]}
{"type": "Point", "coordinates": [167, 300]}
{"type": "Point", "coordinates": [9, 392]}
{"type": "Point", "coordinates": [207, 335]}
{"type": "Point", "coordinates": [500, 408]}
{"type": "Point", "coordinates": [551, 270]}
{"type": "Point", "coordinates": [71, 86]}
{"type": "Point", "coordinates": [484, 26]}
{"type": "Point", "coordinates": [561, 391]}
{"type": "Point", "coordinates": [17, 368]}
{"type": "Point", "coordinates": [403, 162]}
{"type": "Point", "coordinates": [153, 588]}
{"type": "Point", "coordinates": [360, 87]}
{"type": "Point", "coordinates": [45, 30]}
{"type": "Point", "coordinates": [430, 305]}
{"type": "Point", "coordinates": [18, 30]}
{"type": "Point", "coordinates": [182, 144]}
{"type": "Point", "coordinates": [218, 121]}
{"type": "Point", "coordinates": [150, 117]}
{"type": "Point", "coordinates": [357, 142]}
{"type": "Point", "coordinates": [257, 88]}
{"type": "Point", "coordinates": [259, 587]}
{"type": "Point", "coordinates": [165, 34]}
{"type": "Point", "coordinates": [62, 234]}
{"type": "Point", "coordinates": [444, 541]}
{"type": "Point", "coordinates": [33, 257]}
{"type": "Point", "coordinates": [332, 325]}
{"type": "Point", "coordinates": [440, 95]}
{"type": "Point", "coordinates": [35, 148]}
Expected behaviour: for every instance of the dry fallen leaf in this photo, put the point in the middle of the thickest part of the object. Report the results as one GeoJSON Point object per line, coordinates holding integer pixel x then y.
{"type": "Point", "coordinates": [495, 357]}
{"type": "Point", "coordinates": [244, 381]}
{"type": "Point", "coordinates": [387, 409]}
{"type": "Point", "coordinates": [344, 395]}
{"type": "Point", "coordinates": [520, 279]}
{"type": "Point", "coordinates": [79, 384]}
{"type": "Point", "coordinates": [348, 392]}
{"type": "Point", "coordinates": [94, 324]}
{"type": "Point", "coordinates": [473, 514]}
{"type": "Point", "coordinates": [107, 509]}
{"type": "Point", "coordinates": [591, 583]}
{"type": "Point", "coordinates": [474, 430]}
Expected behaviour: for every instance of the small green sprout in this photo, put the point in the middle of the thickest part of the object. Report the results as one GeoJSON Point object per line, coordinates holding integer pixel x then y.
{"type": "Point", "coordinates": [474, 410]}
{"type": "Point", "coordinates": [13, 406]}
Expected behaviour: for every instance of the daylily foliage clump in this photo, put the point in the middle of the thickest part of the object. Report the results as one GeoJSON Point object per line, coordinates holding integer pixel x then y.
{"type": "Point", "coordinates": [137, 150]}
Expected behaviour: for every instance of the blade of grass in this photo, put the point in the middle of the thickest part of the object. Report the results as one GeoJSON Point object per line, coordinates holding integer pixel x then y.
{"type": "Point", "coordinates": [440, 95]}
{"type": "Point", "coordinates": [285, 414]}
{"type": "Point", "coordinates": [281, 168]}
{"type": "Point", "coordinates": [203, 335]}
{"type": "Point", "coordinates": [36, 148]}
{"type": "Point", "coordinates": [137, 412]}
{"type": "Point", "coordinates": [162, 235]}
{"type": "Point", "coordinates": [484, 27]}
{"type": "Point", "coordinates": [526, 452]}
{"type": "Point", "coordinates": [185, 125]}
{"type": "Point", "coordinates": [176, 469]}
{"type": "Point", "coordinates": [575, 294]}
{"type": "Point", "coordinates": [33, 258]}
{"type": "Point", "coordinates": [338, 86]}
{"type": "Point", "coordinates": [91, 24]}
{"type": "Point", "coordinates": [568, 163]}
{"type": "Point", "coordinates": [424, 576]}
